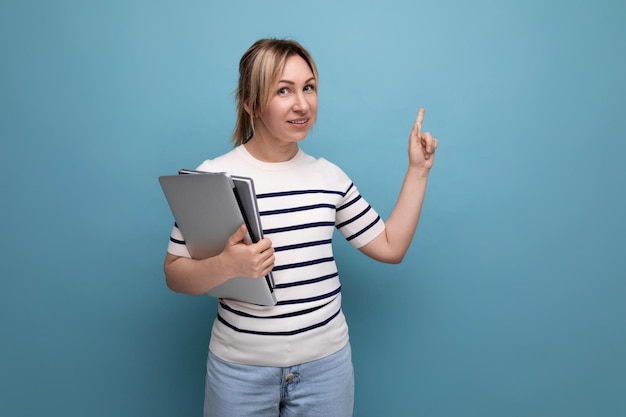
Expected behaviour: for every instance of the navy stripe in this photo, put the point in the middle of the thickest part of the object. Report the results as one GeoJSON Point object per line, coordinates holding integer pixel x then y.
{"type": "Point", "coordinates": [180, 242]}
{"type": "Point", "coordinates": [308, 300]}
{"type": "Point", "coordinates": [369, 226]}
{"type": "Point", "coordinates": [290, 333]}
{"type": "Point", "coordinates": [349, 203]}
{"type": "Point", "coordinates": [296, 209]}
{"type": "Point", "coordinates": [306, 281]}
{"type": "Point", "coordinates": [355, 218]}
{"type": "Point", "coordinates": [298, 192]}
{"type": "Point", "coordinates": [303, 245]}
{"type": "Point", "coordinates": [278, 316]}
{"type": "Point", "coordinates": [299, 227]}
{"type": "Point", "coordinates": [303, 264]}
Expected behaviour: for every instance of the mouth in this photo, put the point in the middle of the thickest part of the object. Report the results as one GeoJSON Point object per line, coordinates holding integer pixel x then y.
{"type": "Point", "coordinates": [298, 122]}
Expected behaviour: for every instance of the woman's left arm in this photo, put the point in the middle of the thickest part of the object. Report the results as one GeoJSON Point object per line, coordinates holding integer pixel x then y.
{"type": "Point", "coordinates": [391, 245]}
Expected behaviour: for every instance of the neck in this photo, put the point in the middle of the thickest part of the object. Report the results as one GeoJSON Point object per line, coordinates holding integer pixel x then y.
{"type": "Point", "coordinates": [270, 152]}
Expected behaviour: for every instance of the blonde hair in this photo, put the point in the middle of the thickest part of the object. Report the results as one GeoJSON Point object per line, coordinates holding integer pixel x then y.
{"type": "Point", "coordinates": [260, 69]}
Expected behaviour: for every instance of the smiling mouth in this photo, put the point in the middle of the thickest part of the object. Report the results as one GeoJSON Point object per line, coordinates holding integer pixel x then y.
{"type": "Point", "coordinates": [298, 122]}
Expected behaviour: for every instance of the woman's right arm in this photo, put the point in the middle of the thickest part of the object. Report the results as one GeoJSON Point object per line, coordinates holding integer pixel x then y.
{"type": "Point", "coordinates": [238, 259]}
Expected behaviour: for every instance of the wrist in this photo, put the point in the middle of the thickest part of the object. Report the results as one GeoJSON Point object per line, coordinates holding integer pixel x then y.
{"type": "Point", "coordinates": [216, 268]}
{"type": "Point", "coordinates": [418, 172]}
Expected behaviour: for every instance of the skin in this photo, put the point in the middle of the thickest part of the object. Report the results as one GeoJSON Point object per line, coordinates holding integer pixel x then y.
{"type": "Point", "coordinates": [279, 128]}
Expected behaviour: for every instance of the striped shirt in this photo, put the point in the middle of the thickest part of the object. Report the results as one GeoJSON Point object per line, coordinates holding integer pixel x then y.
{"type": "Point", "coordinates": [301, 202]}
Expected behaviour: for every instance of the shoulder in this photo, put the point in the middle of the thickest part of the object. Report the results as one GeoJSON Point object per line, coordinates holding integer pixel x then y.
{"type": "Point", "coordinates": [318, 164]}
{"type": "Point", "coordinates": [330, 169]}
{"type": "Point", "coordinates": [320, 173]}
{"type": "Point", "coordinates": [222, 162]}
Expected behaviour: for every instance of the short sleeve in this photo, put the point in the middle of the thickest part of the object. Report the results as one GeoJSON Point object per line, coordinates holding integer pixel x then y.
{"type": "Point", "coordinates": [177, 245]}
{"type": "Point", "coordinates": [356, 220]}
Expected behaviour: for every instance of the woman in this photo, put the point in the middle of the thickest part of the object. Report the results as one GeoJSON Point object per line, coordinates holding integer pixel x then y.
{"type": "Point", "coordinates": [292, 359]}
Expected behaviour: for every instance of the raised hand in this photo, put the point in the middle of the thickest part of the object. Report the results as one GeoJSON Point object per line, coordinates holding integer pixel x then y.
{"type": "Point", "coordinates": [422, 145]}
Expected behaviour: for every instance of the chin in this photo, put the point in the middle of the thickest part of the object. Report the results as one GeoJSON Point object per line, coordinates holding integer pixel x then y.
{"type": "Point", "coordinates": [299, 137]}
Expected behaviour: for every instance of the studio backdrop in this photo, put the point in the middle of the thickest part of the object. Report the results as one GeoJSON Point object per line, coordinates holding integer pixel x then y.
{"type": "Point", "coordinates": [510, 301]}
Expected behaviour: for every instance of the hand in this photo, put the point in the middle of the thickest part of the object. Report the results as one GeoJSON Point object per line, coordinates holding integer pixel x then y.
{"type": "Point", "coordinates": [252, 260]}
{"type": "Point", "coordinates": [422, 145]}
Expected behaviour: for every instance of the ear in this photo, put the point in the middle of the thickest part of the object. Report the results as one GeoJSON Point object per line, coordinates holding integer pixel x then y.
{"type": "Point", "coordinates": [247, 108]}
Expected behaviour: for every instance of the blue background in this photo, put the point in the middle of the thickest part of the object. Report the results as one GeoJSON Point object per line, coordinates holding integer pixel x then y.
{"type": "Point", "coordinates": [510, 302]}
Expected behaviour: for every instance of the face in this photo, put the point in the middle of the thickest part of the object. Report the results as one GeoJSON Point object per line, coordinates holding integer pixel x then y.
{"type": "Point", "coordinates": [292, 109]}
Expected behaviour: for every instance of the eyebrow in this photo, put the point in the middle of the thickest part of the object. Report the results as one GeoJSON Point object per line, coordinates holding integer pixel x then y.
{"type": "Point", "coordinates": [292, 83]}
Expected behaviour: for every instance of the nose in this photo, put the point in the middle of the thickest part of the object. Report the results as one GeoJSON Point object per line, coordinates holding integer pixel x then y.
{"type": "Point", "coordinates": [301, 104]}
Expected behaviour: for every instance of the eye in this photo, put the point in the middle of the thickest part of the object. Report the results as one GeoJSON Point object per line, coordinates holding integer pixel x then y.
{"type": "Point", "coordinates": [310, 88]}
{"type": "Point", "coordinates": [283, 91]}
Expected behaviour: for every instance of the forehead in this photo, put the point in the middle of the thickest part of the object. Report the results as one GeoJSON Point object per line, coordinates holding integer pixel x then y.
{"type": "Point", "coordinates": [296, 69]}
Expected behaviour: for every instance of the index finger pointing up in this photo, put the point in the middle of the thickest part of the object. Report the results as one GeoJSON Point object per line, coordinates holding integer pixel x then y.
{"type": "Point", "coordinates": [419, 120]}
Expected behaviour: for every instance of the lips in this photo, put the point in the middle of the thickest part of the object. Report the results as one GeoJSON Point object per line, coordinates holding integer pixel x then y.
{"type": "Point", "coordinates": [298, 121]}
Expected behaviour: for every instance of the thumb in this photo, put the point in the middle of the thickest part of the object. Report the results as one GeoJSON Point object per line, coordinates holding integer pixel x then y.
{"type": "Point", "coordinates": [238, 236]}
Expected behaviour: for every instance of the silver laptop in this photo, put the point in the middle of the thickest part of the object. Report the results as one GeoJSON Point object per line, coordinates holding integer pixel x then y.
{"type": "Point", "coordinates": [208, 209]}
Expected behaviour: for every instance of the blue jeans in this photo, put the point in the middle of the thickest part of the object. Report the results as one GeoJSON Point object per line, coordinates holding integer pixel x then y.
{"type": "Point", "coordinates": [321, 388]}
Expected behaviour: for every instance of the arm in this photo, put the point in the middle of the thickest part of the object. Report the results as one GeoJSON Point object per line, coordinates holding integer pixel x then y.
{"type": "Point", "coordinates": [391, 245]}
{"type": "Point", "coordinates": [238, 259]}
